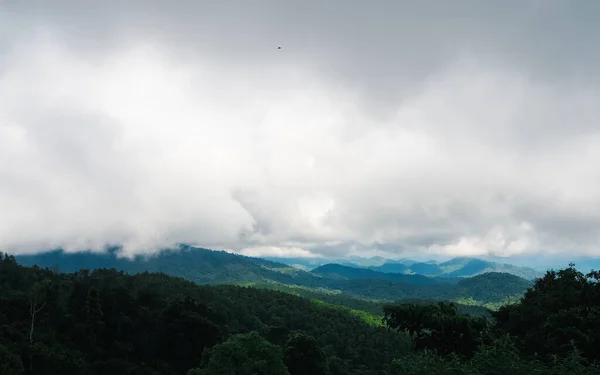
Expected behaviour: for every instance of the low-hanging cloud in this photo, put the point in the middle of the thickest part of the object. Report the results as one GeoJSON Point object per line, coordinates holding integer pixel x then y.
{"type": "Point", "coordinates": [396, 126]}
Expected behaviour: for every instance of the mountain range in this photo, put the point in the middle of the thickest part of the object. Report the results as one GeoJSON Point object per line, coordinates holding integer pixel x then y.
{"type": "Point", "coordinates": [455, 267]}
{"type": "Point", "coordinates": [203, 266]}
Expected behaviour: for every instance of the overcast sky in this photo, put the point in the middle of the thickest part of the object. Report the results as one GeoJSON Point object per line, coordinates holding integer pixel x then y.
{"type": "Point", "coordinates": [439, 127]}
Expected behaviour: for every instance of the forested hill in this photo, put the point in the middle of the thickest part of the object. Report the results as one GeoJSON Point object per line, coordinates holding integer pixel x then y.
{"type": "Point", "coordinates": [466, 267]}
{"type": "Point", "coordinates": [203, 266]}
{"type": "Point", "coordinates": [338, 271]}
{"type": "Point", "coordinates": [107, 322]}
{"type": "Point", "coordinates": [485, 286]}
{"type": "Point", "coordinates": [453, 268]}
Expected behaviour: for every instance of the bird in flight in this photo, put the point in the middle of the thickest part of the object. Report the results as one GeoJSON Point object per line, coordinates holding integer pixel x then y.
{"type": "Point", "coordinates": [278, 47]}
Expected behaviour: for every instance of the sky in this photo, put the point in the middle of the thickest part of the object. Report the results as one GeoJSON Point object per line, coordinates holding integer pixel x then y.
{"type": "Point", "coordinates": [460, 128]}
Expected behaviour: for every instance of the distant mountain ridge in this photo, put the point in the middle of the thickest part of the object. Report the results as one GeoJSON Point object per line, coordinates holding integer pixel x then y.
{"type": "Point", "coordinates": [455, 267]}
{"type": "Point", "coordinates": [339, 271]}
{"type": "Point", "coordinates": [203, 266]}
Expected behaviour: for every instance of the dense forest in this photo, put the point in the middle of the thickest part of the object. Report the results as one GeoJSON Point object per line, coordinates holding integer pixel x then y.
{"type": "Point", "coordinates": [107, 321]}
{"type": "Point", "coordinates": [358, 305]}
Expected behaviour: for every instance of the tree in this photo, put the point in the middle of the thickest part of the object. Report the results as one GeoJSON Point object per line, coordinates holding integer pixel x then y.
{"type": "Point", "coordinates": [37, 301]}
{"type": "Point", "coordinates": [303, 356]}
{"type": "Point", "coordinates": [184, 331]}
{"type": "Point", "coordinates": [10, 363]}
{"type": "Point", "coordinates": [437, 327]}
{"type": "Point", "coordinates": [338, 366]}
{"type": "Point", "coordinates": [559, 310]}
{"type": "Point", "coordinates": [242, 354]}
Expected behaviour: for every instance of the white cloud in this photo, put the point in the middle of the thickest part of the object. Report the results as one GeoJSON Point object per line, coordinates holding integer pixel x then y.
{"type": "Point", "coordinates": [142, 144]}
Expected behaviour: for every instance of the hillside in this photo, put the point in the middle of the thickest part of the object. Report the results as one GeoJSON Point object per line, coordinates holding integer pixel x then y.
{"type": "Point", "coordinates": [203, 266]}
{"type": "Point", "coordinates": [338, 271]}
{"type": "Point", "coordinates": [456, 267]}
{"type": "Point", "coordinates": [426, 268]}
{"type": "Point", "coordinates": [465, 267]}
{"type": "Point", "coordinates": [107, 322]}
{"type": "Point", "coordinates": [493, 294]}
{"type": "Point", "coordinates": [460, 267]}
{"type": "Point", "coordinates": [357, 304]}
{"type": "Point", "coordinates": [392, 267]}
{"type": "Point", "coordinates": [493, 286]}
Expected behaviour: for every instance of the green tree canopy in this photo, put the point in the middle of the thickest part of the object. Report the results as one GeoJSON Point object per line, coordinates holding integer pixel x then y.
{"type": "Point", "coordinates": [10, 363]}
{"type": "Point", "coordinates": [242, 354]}
{"type": "Point", "coordinates": [437, 327]}
{"type": "Point", "coordinates": [303, 356]}
{"type": "Point", "coordinates": [561, 310]}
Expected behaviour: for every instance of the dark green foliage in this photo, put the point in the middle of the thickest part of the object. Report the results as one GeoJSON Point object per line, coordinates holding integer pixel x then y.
{"type": "Point", "coordinates": [493, 286]}
{"type": "Point", "coordinates": [372, 307]}
{"type": "Point", "coordinates": [10, 363]}
{"type": "Point", "coordinates": [553, 330]}
{"type": "Point", "coordinates": [303, 356]}
{"type": "Point", "coordinates": [242, 354]}
{"type": "Point", "coordinates": [106, 321]}
{"type": "Point", "coordinates": [338, 366]}
{"type": "Point", "coordinates": [560, 310]}
{"type": "Point", "coordinates": [489, 360]}
{"type": "Point", "coordinates": [437, 327]}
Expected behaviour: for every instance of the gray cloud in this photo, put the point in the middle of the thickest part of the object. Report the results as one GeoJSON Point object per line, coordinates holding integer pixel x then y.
{"type": "Point", "coordinates": [460, 128]}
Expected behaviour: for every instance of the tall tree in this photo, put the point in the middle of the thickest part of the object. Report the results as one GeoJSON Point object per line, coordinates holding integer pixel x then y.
{"type": "Point", "coordinates": [437, 327]}
{"type": "Point", "coordinates": [37, 301]}
{"type": "Point", "coordinates": [560, 310]}
{"type": "Point", "coordinates": [303, 356]}
{"type": "Point", "coordinates": [10, 363]}
{"type": "Point", "coordinates": [242, 354]}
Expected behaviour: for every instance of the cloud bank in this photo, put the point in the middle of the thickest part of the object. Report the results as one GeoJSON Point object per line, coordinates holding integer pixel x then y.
{"type": "Point", "coordinates": [462, 130]}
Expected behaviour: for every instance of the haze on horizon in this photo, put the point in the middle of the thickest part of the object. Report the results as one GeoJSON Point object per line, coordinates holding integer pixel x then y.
{"type": "Point", "coordinates": [464, 129]}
